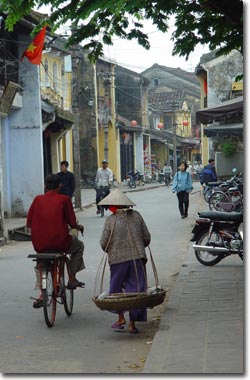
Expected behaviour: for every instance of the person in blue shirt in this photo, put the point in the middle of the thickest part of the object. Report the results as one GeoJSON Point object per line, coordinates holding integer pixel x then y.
{"type": "Point", "coordinates": [182, 185]}
{"type": "Point", "coordinates": [208, 173]}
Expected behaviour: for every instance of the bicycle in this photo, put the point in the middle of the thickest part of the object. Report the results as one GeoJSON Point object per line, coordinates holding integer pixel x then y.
{"type": "Point", "coordinates": [54, 276]}
{"type": "Point", "coordinates": [167, 178]}
{"type": "Point", "coordinates": [209, 189]}
{"type": "Point", "coordinates": [231, 196]}
{"type": "Point", "coordinates": [102, 192]}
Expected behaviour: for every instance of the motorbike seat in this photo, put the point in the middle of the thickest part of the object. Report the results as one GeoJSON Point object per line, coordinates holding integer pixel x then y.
{"type": "Point", "coordinates": [214, 183]}
{"type": "Point", "coordinates": [220, 215]}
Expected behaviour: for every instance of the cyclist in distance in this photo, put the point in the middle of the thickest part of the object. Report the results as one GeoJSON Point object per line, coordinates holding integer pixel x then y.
{"type": "Point", "coordinates": [49, 218]}
{"type": "Point", "coordinates": [104, 179]}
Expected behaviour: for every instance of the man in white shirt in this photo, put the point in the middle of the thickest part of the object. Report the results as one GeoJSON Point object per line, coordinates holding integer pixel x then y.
{"type": "Point", "coordinates": [104, 180]}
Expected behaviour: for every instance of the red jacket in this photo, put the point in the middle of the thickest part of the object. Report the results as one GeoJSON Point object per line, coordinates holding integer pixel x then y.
{"type": "Point", "coordinates": [49, 217]}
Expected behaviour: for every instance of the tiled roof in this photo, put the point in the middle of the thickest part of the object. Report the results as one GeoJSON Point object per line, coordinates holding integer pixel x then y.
{"type": "Point", "coordinates": [166, 100]}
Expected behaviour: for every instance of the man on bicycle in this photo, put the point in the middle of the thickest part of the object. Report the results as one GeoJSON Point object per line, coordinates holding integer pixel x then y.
{"type": "Point", "coordinates": [167, 170]}
{"type": "Point", "coordinates": [104, 180]}
{"type": "Point", "coordinates": [49, 218]}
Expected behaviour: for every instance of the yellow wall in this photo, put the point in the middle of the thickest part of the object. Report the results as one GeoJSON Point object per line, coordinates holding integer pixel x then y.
{"type": "Point", "coordinates": [56, 87]}
{"type": "Point", "coordinates": [160, 152]}
{"type": "Point", "coordinates": [113, 136]}
{"type": "Point", "coordinates": [181, 130]}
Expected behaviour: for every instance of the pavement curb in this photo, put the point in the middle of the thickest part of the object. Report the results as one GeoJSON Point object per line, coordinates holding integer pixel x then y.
{"type": "Point", "coordinates": [202, 328]}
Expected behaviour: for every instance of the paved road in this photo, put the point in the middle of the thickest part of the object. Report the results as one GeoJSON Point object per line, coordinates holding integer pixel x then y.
{"type": "Point", "coordinates": [85, 343]}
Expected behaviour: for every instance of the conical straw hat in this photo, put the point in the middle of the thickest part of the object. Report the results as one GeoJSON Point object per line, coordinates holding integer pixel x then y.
{"type": "Point", "coordinates": [116, 198]}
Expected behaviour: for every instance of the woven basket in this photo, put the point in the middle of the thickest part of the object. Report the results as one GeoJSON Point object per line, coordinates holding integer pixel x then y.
{"type": "Point", "coordinates": [123, 301]}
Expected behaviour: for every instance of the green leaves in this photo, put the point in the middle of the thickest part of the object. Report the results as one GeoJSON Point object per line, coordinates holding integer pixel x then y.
{"type": "Point", "coordinates": [216, 23]}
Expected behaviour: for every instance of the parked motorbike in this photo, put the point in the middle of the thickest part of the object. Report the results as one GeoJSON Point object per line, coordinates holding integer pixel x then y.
{"type": "Point", "coordinates": [217, 235]}
{"type": "Point", "coordinates": [131, 181]}
{"type": "Point", "coordinates": [134, 177]}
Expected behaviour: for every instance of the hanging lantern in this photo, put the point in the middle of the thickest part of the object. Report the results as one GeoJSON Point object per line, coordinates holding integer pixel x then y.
{"type": "Point", "coordinates": [185, 123]}
{"type": "Point", "coordinates": [133, 123]}
{"type": "Point", "coordinates": [160, 126]}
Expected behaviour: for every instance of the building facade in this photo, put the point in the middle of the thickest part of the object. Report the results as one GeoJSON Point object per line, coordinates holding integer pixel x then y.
{"type": "Point", "coordinates": [219, 88]}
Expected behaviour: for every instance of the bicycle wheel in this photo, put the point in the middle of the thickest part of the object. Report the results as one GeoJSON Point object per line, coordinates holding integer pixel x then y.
{"type": "Point", "coordinates": [205, 257]}
{"type": "Point", "coordinates": [102, 211]}
{"type": "Point", "coordinates": [216, 198]}
{"type": "Point", "coordinates": [67, 294]}
{"type": "Point", "coordinates": [207, 193]}
{"type": "Point", "coordinates": [49, 300]}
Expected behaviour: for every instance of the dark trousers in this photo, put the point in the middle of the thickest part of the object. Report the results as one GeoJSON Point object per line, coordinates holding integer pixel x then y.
{"type": "Point", "coordinates": [101, 193]}
{"type": "Point", "coordinates": [131, 276]}
{"type": "Point", "coordinates": [183, 198]}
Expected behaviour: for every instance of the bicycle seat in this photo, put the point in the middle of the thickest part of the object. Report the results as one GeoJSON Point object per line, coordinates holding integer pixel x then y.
{"type": "Point", "coordinates": [220, 215]}
{"type": "Point", "coordinates": [47, 255]}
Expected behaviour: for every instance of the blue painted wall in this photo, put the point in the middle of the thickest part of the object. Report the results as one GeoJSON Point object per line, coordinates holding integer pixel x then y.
{"type": "Point", "coordinates": [25, 141]}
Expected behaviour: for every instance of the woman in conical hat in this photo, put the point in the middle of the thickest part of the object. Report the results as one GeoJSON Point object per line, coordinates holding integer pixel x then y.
{"type": "Point", "coordinates": [124, 238]}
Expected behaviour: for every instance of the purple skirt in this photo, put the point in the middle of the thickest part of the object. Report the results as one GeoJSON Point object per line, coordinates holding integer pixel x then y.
{"type": "Point", "coordinates": [123, 276]}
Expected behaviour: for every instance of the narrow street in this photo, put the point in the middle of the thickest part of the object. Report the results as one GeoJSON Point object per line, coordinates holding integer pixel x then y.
{"type": "Point", "coordinates": [85, 342]}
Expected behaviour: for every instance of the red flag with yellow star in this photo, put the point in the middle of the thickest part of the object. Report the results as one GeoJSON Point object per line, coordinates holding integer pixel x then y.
{"type": "Point", "coordinates": [35, 49]}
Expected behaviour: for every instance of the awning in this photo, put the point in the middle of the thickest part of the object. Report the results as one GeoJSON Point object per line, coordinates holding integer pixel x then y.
{"type": "Point", "coordinates": [232, 129]}
{"type": "Point", "coordinates": [231, 109]}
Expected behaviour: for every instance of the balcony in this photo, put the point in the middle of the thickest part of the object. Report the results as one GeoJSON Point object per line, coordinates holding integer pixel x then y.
{"type": "Point", "coordinates": [48, 93]}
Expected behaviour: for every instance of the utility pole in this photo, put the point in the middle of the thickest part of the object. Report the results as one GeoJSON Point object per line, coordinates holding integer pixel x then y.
{"type": "Point", "coordinates": [75, 128]}
{"type": "Point", "coordinates": [175, 106]}
{"type": "Point", "coordinates": [174, 148]}
{"type": "Point", "coordinates": [106, 84]}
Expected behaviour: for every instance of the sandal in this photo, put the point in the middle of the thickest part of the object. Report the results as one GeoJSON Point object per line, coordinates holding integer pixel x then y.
{"type": "Point", "coordinates": [118, 326]}
{"type": "Point", "coordinates": [134, 331]}
{"type": "Point", "coordinates": [76, 284]}
{"type": "Point", "coordinates": [80, 284]}
{"type": "Point", "coordinates": [38, 303]}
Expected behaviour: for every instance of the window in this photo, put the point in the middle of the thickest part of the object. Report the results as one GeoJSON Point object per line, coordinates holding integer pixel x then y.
{"type": "Point", "coordinates": [55, 77]}
{"type": "Point", "coordinates": [156, 82]}
{"type": "Point", "coordinates": [46, 69]}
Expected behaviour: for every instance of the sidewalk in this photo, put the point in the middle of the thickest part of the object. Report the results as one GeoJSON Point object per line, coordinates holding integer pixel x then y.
{"type": "Point", "coordinates": [201, 330]}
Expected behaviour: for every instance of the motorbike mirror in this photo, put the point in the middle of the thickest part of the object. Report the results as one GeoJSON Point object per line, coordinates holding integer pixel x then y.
{"type": "Point", "coordinates": [234, 170]}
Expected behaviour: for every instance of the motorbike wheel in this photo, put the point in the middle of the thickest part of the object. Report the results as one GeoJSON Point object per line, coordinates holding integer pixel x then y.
{"type": "Point", "coordinates": [216, 198]}
{"type": "Point", "coordinates": [204, 257]}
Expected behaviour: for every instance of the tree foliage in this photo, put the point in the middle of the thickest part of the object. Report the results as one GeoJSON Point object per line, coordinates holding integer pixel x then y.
{"type": "Point", "coordinates": [218, 23]}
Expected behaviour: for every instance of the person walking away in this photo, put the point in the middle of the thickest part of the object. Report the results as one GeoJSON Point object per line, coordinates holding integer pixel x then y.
{"type": "Point", "coordinates": [208, 174]}
{"type": "Point", "coordinates": [182, 185]}
{"type": "Point", "coordinates": [124, 238]}
{"type": "Point", "coordinates": [49, 218]}
{"type": "Point", "coordinates": [67, 180]}
{"type": "Point", "coordinates": [104, 180]}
